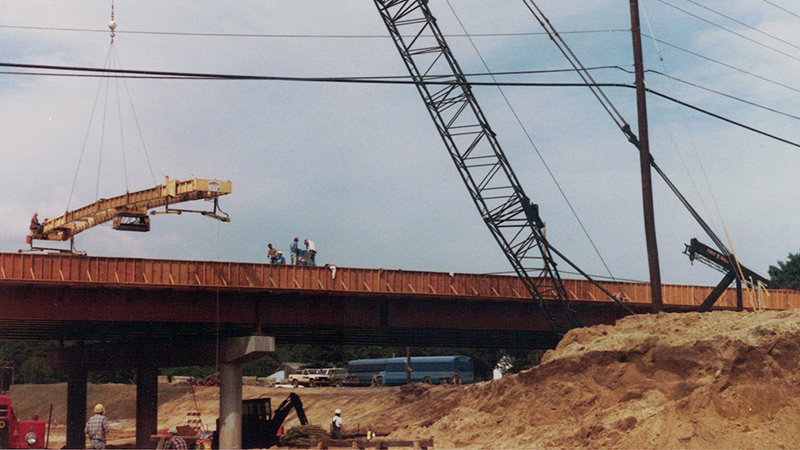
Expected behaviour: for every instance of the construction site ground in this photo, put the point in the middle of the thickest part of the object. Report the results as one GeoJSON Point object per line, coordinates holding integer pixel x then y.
{"type": "Point", "coordinates": [705, 381]}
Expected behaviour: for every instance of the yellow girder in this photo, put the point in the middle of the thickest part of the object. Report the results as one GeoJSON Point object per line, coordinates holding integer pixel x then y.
{"type": "Point", "coordinates": [173, 191]}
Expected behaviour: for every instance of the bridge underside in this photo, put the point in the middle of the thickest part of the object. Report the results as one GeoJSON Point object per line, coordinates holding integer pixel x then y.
{"type": "Point", "coordinates": [90, 314]}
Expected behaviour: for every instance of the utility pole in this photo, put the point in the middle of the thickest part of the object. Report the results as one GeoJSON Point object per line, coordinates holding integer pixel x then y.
{"type": "Point", "coordinates": [644, 162]}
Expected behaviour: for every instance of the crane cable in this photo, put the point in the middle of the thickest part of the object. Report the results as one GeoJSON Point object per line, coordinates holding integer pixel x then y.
{"type": "Point", "coordinates": [688, 133]}
{"type": "Point", "coordinates": [530, 139]}
{"type": "Point", "coordinates": [626, 129]}
{"type": "Point", "coordinates": [587, 78]}
{"type": "Point", "coordinates": [112, 64]}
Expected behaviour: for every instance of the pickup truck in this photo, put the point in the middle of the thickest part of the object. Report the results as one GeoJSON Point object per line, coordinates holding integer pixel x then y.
{"type": "Point", "coordinates": [340, 377]}
{"type": "Point", "coordinates": [309, 377]}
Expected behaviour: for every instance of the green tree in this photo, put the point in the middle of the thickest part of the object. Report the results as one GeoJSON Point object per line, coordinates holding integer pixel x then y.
{"type": "Point", "coordinates": [787, 274]}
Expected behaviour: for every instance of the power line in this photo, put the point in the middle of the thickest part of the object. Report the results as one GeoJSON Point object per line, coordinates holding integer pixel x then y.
{"type": "Point", "coordinates": [212, 76]}
{"type": "Point", "coordinates": [740, 70]}
{"type": "Point", "coordinates": [202, 76]}
{"type": "Point", "coordinates": [725, 119]}
{"type": "Point", "coordinates": [296, 36]}
{"type": "Point", "coordinates": [732, 97]}
{"type": "Point", "coordinates": [730, 31]}
{"type": "Point", "coordinates": [402, 79]}
{"type": "Point", "coordinates": [781, 8]}
{"type": "Point", "coordinates": [743, 24]}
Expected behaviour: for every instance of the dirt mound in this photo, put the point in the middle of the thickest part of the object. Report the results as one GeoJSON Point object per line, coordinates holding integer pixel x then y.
{"type": "Point", "coordinates": [713, 380]}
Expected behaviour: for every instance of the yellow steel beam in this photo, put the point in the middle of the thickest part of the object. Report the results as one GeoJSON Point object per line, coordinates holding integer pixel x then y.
{"type": "Point", "coordinates": [139, 202]}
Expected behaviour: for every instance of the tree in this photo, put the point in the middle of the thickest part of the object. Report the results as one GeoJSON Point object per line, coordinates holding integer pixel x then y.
{"type": "Point", "coordinates": [787, 274]}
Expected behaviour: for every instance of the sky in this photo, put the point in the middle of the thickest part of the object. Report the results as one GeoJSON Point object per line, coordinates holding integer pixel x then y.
{"type": "Point", "coordinates": [361, 170]}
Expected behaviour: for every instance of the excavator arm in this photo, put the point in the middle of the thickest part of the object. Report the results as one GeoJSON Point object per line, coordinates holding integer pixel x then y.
{"type": "Point", "coordinates": [129, 211]}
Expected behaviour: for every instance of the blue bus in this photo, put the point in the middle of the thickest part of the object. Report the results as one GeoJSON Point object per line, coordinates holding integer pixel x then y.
{"type": "Point", "coordinates": [424, 369]}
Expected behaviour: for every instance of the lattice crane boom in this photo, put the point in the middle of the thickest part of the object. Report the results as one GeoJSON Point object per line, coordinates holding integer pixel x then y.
{"type": "Point", "coordinates": [129, 211]}
{"type": "Point", "coordinates": [505, 208]}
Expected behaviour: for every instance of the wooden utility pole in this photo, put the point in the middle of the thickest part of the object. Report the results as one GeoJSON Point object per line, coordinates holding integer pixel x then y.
{"type": "Point", "coordinates": [644, 163]}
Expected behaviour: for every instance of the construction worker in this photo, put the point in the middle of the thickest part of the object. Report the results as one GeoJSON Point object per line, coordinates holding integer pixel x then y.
{"type": "Point", "coordinates": [174, 441]}
{"type": "Point", "coordinates": [336, 424]}
{"type": "Point", "coordinates": [280, 260]}
{"type": "Point", "coordinates": [272, 254]}
{"type": "Point", "coordinates": [311, 250]}
{"type": "Point", "coordinates": [35, 226]}
{"type": "Point", "coordinates": [294, 252]}
{"type": "Point", "coordinates": [97, 427]}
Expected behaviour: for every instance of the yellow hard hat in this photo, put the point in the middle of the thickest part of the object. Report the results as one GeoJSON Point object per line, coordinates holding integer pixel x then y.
{"type": "Point", "coordinates": [98, 408]}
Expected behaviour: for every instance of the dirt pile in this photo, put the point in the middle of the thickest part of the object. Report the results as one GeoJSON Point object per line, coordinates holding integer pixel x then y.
{"type": "Point", "coordinates": [717, 380]}
{"type": "Point", "coordinates": [714, 380]}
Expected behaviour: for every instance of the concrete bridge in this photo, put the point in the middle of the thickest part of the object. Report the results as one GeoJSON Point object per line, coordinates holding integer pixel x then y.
{"type": "Point", "coordinates": [146, 314]}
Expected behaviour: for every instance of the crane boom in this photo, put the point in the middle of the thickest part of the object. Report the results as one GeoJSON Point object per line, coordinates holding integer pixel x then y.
{"type": "Point", "coordinates": [129, 211]}
{"type": "Point", "coordinates": [505, 208]}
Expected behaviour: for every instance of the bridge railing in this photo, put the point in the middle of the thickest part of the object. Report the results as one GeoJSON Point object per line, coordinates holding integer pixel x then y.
{"type": "Point", "coordinates": [161, 273]}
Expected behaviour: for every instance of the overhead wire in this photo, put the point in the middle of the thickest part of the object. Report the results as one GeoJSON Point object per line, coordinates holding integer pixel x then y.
{"type": "Point", "coordinates": [121, 132]}
{"type": "Point", "coordinates": [723, 118]}
{"type": "Point", "coordinates": [530, 140]}
{"type": "Point", "coordinates": [102, 139]}
{"type": "Point", "coordinates": [769, 47]}
{"type": "Point", "coordinates": [782, 8]}
{"type": "Point", "coordinates": [136, 120]}
{"type": "Point", "coordinates": [685, 123]}
{"type": "Point", "coordinates": [86, 137]}
{"type": "Point", "coordinates": [729, 66]}
{"type": "Point", "coordinates": [205, 76]}
{"type": "Point", "coordinates": [635, 141]}
{"type": "Point", "coordinates": [723, 94]}
{"type": "Point", "coordinates": [743, 24]}
{"type": "Point", "coordinates": [295, 35]}
{"type": "Point", "coordinates": [527, 134]}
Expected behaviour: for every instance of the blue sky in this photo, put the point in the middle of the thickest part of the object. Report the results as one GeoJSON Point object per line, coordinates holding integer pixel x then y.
{"type": "Point", "coordinates": [361, 170]}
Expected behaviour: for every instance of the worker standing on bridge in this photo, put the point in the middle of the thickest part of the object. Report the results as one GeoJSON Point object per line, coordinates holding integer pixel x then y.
{"type": "Point", "coordinates": [272, 254]}
{"type": "Point", "coordinates": [311, 251]}
{"type": "Point", "coordinates": [97, 427]}
{"type": "Point", "coordinates": [280, 260]}
{"type": "Point", "coordinates": [174, 441]}
{"type": "Point", "coordinates": [336, 424]}
{"type": "Point", "coordinates": [294, 252]}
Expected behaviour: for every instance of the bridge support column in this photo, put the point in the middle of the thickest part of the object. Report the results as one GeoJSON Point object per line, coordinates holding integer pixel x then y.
{"type": "Point", "coordinates": [146, 405]}
{"type": "Point", "coordinates": [77, 377]}
{"type": "Point", "coordinates": [235, 352]}
{"type": "Point", "coordinates": [230, 406]}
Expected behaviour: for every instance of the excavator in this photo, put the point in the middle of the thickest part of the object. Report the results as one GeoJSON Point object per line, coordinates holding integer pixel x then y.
{"type": "Point", "coordinates": [129, 212]}
{"type": "Point", "coordinates": [260, 425]}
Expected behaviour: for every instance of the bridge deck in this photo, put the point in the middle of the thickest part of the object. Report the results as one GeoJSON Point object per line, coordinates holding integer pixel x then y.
{"type": "Point", "coordinates": [104, 272]}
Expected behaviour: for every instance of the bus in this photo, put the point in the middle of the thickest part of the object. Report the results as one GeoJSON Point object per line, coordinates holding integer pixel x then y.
{"type": "Point", "coordinates": [424, 369]}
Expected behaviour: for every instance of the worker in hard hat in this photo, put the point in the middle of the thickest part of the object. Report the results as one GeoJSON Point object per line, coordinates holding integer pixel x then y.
{"type": "Point", "coordinates": [336, 424]}
{"type": "Point", "coordinates": [280, 260]}
{"type": "Point", "coordinates": [174, 441]}
{"type": "Point", "coordinates": [97, 427]}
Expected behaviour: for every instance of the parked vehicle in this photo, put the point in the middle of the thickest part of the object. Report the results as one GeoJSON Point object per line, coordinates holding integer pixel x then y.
{"type": "Point", "coordinates": [309, 377]}
{"type": "Point", "coordinates": [16, 433]}
{"type": "Point", "coordinates": [338, 377]}
{"type": "Point", "coordinates": [424, 369]}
